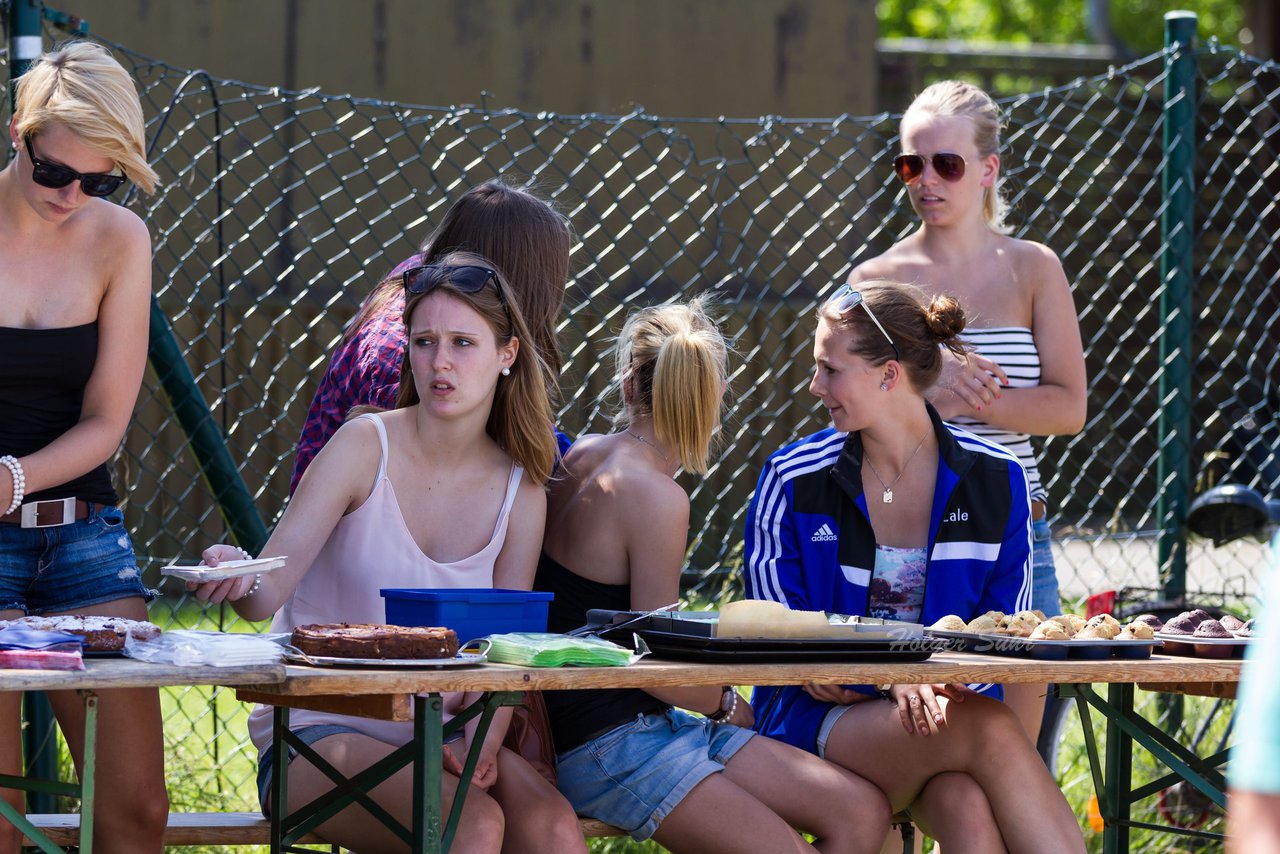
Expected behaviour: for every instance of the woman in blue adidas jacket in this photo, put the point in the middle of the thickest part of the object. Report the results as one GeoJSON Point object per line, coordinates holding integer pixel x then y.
{"type": "Point", "coordinates": [892, 513]}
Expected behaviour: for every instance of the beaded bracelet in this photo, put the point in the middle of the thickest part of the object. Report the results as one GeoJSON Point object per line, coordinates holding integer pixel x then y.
{"type": "Point", "coordinates": [257, 582]}
{"type": "Point", "coordinates": [19, 481]}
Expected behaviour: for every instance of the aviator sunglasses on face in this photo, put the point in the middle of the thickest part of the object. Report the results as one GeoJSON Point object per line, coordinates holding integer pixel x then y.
{"type": "Point", "coordinates": [468, 278]}
{"type": "Point", "coordinates": [948, 165]}
{"type": "Point", "coordinates": [846, 299]}
{"type": "Point", "coordinates": [55, 176]}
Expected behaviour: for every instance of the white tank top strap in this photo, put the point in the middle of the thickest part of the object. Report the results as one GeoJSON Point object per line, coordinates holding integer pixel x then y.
{"type": "Point", "coordinates": [382, 438]}
{"type": "Point", "coordinates": [513, 486]}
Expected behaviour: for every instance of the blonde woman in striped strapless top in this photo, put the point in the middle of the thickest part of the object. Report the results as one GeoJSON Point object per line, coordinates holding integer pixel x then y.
{"type": "Point", "coordinates": [1028, 376]}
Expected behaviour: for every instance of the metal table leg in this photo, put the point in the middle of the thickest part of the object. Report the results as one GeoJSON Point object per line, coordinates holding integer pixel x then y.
{"type": "Point", "coordinates": [429, 834]}
{"type": "Point", "coordinates": [83, 790]}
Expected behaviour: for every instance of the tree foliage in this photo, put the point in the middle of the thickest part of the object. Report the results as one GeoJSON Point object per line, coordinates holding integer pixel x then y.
{"type": "Point", "coordinates": [1139, 24]}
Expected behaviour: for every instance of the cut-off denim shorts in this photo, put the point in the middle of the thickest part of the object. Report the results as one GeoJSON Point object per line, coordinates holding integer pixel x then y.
{"type": "Point", "coordinates": [65, 567]}
{"type": "Point", "coordinates": [1044, 575]}
{"type": "Point", "coordinates": [634, 775]}
{"type": "Point", "coordinates": [266, 761]}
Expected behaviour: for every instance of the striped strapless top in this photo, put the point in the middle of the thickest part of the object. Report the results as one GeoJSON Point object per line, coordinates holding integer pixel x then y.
{"type": "Point", "coordinates": [1014, 349]}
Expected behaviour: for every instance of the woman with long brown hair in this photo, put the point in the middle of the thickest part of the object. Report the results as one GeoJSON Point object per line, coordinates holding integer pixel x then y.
{"type": "Point", "coordinates": [443, 491]}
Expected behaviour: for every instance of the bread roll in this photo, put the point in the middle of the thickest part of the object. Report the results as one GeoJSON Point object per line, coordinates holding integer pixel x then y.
{"type": "Point", "coordinates": [950, 623]}
{"type": "Point", "coordinates": [758, 618]}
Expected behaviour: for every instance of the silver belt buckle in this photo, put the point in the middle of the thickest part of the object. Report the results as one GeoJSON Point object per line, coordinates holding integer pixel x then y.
{"type": "Point", "coordinates": [31, 518]}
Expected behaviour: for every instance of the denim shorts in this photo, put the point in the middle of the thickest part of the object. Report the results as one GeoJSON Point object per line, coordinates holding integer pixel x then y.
{"type": "Point", "coordinates": [66, 567]}
{"type": "Point", "coordinates": [309, 736]}
{"type": "Point", "coordinates": [1044, 576]}
{"type": "Point", "coordinates": [634, 775]}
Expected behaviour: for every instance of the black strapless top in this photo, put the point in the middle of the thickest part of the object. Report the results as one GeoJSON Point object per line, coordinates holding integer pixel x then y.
{"type": "Point", "coordinates": [43, 374]}
{"type": "Point", "coordinates": [579, 716]}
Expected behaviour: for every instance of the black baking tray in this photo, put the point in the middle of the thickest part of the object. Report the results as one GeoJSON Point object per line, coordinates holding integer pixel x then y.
{"type": "Point", "coordinates": [688, 637]}
{"type": "Point", "coordinates": [1043, 650]}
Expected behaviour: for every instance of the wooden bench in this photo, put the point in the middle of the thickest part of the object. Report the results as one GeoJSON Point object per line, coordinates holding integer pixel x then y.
{"type": "Point", "coordinates": [223, 828]}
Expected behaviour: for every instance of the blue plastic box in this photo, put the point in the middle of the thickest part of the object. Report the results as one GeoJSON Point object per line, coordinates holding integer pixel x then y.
{"type": "Point", "coordinates": [470, 612]}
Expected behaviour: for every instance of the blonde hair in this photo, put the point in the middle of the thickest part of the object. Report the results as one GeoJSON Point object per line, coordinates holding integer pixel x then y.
{"type": "Point", "coordinates": [82, 86]}
{"type": "Point", "coordinates": [520, 420]}
{"type": "Point", "coordinates": [957, 98]}
{"type": "Point", "coordinates": [673, 358]}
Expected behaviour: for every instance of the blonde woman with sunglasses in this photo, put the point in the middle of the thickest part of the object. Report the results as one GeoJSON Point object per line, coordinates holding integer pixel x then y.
{"type": "Point", "coordinates": [75, 285]}
{"type": "Point", "coordinates": [444, 491]}
{"type": "Point", "coordinates": [891, 513]}
{"type": "Point", "coordinates": [1025, 375]}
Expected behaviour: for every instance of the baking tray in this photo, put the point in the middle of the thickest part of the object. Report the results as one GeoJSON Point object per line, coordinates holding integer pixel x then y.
{"type": "Point", "coordinates": [688, 638]}
{"type": "Point", "coordinates": [462, 659]}
{"type": "Point", "coordinates": [1043, 650]}
{"type": "Point", "coordinates": [1189, 645]}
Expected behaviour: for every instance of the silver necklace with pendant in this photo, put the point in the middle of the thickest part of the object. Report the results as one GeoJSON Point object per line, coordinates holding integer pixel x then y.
{"type": "Point", "coordinates": [886, 497]}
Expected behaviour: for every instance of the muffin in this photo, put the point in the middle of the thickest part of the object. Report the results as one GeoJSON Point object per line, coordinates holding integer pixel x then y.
{"type": "Point", "coordinates": [950, 623]}
{"type": "Point", "coordinates": [1021, 624]}
{"type": "Point", "coordinates": [1198, 616]}
{"type": "Point", "coordinates": [1139, 630]}
{"type": "Point", "coordinates": [1211, 628]}
{"type": "Point", "coordinates": [1050, 630]}
{"type": "Point", "coordinates": [986, 623]}
{"type": "Point", "coordinates": [1151, 620]}
{"type": "Point", "coordinates": [1245, 630]}
{"type": "Point", "coordinates": [1180, 625]}
{"type": "Point", "coordinates": [1071, 623]}
{"type": "Point", "coordinates": [1231, 622]}
{"type": "Point", "coordinates": [1103, 626]}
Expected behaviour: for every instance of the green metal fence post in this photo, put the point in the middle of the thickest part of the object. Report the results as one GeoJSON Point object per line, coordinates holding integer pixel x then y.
{"type": "Point", "coordinates": [202, 432]}
{"type": "Point", "coordinates": [25, 45]}
{"type": "Point", "coordinates": [1176, 232]}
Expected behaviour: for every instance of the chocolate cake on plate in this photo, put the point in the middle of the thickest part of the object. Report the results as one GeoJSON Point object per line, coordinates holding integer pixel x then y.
{"type": "Point", "coordinates": [366, 640]}
{"type": "Point", "coordinates": [101, 634]}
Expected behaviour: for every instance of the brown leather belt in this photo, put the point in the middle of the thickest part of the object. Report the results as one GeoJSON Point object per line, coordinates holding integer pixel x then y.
{"type": "Point", "coordinates": [47, 514]}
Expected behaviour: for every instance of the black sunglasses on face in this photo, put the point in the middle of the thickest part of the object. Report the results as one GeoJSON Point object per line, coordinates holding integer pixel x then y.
{"type": "Point", "coordinates": [468, 278]}
{"type": "Point", "coordinates": [846, 299]}
{"type": "Point", "coordinates": [948, 165]}
{"type": "Point", "coordinates": [55, 176]}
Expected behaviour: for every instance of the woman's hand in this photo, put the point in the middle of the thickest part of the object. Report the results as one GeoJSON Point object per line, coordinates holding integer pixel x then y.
{"type": "Point", "coordinates": [228, 589]}
{"type": "Point", "coordinates": [837, 694]}
{"type": "Point", "coordinates": [743, 715]}
{"type": "Point", "coordinates": [918, 706]}
{"type": "Point", "coordinates": [967, 384]}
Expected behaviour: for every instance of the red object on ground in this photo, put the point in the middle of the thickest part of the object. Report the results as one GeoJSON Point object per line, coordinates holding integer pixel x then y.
{"type": "Point", "coordinates": [1100, 603]}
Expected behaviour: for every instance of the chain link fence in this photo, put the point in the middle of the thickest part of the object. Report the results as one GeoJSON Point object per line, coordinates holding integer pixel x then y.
{"type": "Point", "coordinates": [279, 211]}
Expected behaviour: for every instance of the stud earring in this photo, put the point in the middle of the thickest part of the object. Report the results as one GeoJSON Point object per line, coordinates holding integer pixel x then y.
{"type": "Point", "coordinates": [884, 386]}
{"type": "Point", "coordinates": [506, 372]}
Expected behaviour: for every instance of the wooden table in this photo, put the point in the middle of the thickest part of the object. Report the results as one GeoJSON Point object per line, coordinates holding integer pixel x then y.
{"type": "Point", "coordinates": [397, 694]}
{"type": "Point", "coordinates": [101, 674]}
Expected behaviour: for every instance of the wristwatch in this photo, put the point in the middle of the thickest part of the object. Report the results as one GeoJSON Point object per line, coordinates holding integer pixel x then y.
{"type": "Point", "coordinates": [728, 702]}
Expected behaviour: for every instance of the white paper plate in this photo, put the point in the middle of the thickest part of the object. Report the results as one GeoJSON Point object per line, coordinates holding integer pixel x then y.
{"type": "Point", "coordinates": [225, 569]}
{"type": "Point", "coordinates": [462, 659]}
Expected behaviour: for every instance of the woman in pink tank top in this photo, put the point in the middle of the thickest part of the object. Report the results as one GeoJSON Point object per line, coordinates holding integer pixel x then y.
{"type": "Point", "coordinates": [445, 490]}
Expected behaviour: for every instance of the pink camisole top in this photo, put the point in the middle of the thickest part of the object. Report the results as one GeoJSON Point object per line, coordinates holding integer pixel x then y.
{"type": "Point", "coordinates": [371, 548]}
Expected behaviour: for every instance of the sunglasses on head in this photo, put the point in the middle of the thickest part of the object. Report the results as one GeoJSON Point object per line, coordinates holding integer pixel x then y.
{"type": "Point", "coordinates": [846, 299]}
{"type": "Point", "coordinates": [55, 176]}
{"type": "Point", "coordinates": [948, 165]}
{"type": "Point", "coordinates": [468, 278]}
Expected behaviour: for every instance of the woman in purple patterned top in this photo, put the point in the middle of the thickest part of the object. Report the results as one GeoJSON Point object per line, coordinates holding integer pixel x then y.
{"type": "Point", "coordinates": [518, 231]}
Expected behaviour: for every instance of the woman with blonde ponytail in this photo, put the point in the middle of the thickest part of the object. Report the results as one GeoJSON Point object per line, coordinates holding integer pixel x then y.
{"type": "Point", "coordinates": [617, 526]}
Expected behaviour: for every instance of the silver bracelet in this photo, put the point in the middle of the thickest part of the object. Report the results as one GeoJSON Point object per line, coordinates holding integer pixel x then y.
{"type": "Point", "coordinates": [19, 481]}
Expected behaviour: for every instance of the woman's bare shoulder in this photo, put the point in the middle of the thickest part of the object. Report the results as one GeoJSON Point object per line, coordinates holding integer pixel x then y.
{"type": "Point", "coordinates": [897, 262]}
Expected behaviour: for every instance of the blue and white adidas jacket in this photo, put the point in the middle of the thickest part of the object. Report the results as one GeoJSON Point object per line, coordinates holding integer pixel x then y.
{"type": "Point", "coordinates": [809, 545]}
